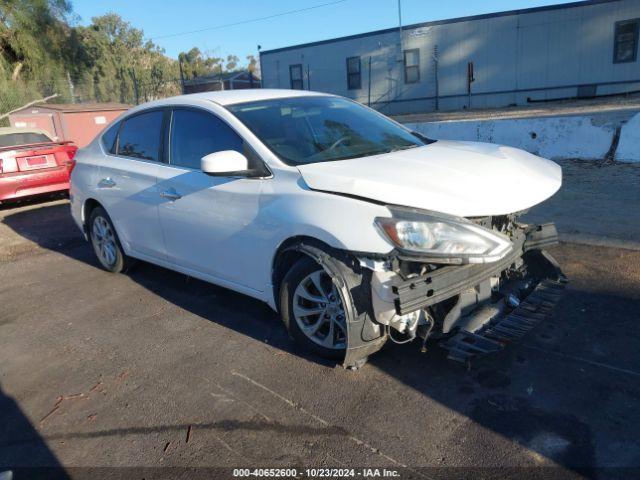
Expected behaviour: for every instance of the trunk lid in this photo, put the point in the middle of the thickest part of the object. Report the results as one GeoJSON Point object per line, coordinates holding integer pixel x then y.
{"type": "Point", "coordinates": [27, 158]}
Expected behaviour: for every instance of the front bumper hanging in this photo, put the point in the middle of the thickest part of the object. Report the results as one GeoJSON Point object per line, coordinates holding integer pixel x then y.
{"type": "Point", "coordinates": [465, 345]}
{"type": "Point", "coordinates": [509, 321]}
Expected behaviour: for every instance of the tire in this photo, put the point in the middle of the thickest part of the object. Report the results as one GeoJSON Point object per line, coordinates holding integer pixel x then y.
{"type": "Point", "coordinates": [105, 242]}
{"type": "Point", "coordinates": [296, 284]}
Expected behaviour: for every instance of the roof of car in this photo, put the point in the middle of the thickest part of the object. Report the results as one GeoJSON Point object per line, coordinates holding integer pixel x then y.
{"type": "Point", "coordinates": [230, 97]}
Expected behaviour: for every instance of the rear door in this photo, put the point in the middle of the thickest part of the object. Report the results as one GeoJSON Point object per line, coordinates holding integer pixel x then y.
{"type": "Point", "coordinates": [127, 183]}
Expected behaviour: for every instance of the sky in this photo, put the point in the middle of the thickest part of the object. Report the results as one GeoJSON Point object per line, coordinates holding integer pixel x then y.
{"type": "Point", "coordinates": [161, 18]}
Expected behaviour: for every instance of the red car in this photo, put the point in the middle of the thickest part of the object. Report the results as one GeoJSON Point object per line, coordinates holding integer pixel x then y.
{"type": "Point", "coordinates": [31, 163]}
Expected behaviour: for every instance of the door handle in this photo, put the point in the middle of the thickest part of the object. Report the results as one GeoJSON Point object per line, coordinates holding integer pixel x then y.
{"type": "Point", "coordinates": [106, 183]}
{"type": "Point", "coordinates": [171, 194]}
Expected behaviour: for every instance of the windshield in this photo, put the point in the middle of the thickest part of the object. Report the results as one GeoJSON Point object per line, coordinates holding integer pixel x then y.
{"type": "Point", "coordinates": [22, 138]}
{"type": "Point", "coordinates": [305, 130]}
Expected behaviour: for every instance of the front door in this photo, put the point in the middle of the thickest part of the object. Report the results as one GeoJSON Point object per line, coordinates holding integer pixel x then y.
{"type": "Point", "coordinates": [209, 223]}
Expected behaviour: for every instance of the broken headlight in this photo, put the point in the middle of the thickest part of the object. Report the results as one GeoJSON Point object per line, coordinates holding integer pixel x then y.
{"type": "Point", "coordinates": [442, 238]}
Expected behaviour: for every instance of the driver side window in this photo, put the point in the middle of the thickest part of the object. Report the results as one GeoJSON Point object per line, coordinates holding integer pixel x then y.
{"type": "Point", "coordinates": [195, 134]}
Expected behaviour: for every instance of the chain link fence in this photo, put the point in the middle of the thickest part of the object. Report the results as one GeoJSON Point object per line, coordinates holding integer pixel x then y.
{"type": "Point", "coordinates": [124, 88]}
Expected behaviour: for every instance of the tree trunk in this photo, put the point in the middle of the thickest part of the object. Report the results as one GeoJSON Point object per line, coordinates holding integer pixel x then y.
{"type": "Point", "coordinates": [16, 71]}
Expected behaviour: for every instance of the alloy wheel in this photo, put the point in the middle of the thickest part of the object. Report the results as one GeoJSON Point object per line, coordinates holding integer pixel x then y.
{"type": "Point", "coordinates": [104, 241]}
{"type": "Point", "coordinates": [319, 311]}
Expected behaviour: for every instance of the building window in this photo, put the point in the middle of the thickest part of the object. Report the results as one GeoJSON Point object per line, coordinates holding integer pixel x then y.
{"type": "Point", "coordinates": [295, 74]}
{"type": "Point", "coordinates": [625, 47]}
{"type": "Point", "coordinates": [412, 65]}
{"type": "Point", "coordinates": [354, 79]}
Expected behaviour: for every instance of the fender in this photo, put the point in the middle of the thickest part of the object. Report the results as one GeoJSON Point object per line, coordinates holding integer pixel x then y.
{"type": "Point", "coordinates": [364, 336]}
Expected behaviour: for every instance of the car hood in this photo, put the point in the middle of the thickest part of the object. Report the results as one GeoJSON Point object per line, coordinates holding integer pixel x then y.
{"type": "Point", "coordinates": [467, 179]}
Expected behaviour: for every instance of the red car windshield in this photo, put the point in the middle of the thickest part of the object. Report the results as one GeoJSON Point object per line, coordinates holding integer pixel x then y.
{"type": "Point", "coordinates": [22, 138]}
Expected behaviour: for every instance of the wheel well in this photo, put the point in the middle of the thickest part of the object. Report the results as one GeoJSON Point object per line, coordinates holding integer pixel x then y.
{"type": "Point", "coordinates": [286, 256]}
{"type": "Point", "coordinates": [89, 205]}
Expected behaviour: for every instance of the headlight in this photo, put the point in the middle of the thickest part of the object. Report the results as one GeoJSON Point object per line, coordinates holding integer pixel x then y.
{"type": "Point", "coordinates": [442, 238]}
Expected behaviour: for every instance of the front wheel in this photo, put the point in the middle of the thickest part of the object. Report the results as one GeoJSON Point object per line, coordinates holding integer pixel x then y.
{"type": "Point", "coordinates": [105, 242]}
{"type": "Point", "coordinates": [313, 309]}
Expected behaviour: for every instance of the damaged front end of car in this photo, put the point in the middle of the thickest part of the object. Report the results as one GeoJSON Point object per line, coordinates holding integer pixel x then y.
{"type": "Point", "coordinates": [477, 285]}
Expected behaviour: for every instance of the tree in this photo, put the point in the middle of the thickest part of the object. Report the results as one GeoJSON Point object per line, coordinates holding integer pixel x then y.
{"type": "Point", "coordinates": [232, 63]}
{"type": "Point", "coordinates": [33, 50]}
{"type": "Point", "coordinates": [253, 65]}
{"type": "Point", "coordinates": [41, 53]}
{"type": "Point", "coordinates": [121, 65]}
{"type": "Point", "coordinates": [32, 36]}
{"type": "Point", "coordinates": [196, 64]}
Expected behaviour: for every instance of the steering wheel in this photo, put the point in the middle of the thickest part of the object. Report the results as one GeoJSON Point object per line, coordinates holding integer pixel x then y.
{"type": "Point", "coordinates": [338, 142]}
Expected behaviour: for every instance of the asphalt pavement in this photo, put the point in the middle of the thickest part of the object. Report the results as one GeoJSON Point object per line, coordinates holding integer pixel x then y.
{"type": "Point", "coordinates": [153, 369]}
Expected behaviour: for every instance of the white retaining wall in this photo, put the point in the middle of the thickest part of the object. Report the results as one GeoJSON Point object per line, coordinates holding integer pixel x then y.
{"type": "Point", "coordinates": [580, 137]}
{"type": "Point", "coordinates": [629, 145]}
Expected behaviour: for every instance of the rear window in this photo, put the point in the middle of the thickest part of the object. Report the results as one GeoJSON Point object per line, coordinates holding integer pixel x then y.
{"type": "Point", "coordinates": [109, 138]}
{"type": "Point", "coordinates": [140, 136]}
{"type": "Point", "coordinates": [22, 138]}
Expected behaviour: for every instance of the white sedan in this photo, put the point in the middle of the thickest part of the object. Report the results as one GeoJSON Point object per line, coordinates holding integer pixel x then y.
{"type": "Point", "coordinates": [354, 228]}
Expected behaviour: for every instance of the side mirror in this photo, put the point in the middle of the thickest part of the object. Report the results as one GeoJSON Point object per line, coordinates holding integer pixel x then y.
{"type": "Point", "coordinates": [224, 164]}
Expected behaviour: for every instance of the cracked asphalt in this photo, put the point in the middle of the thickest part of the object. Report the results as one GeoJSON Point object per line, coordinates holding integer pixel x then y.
{"type": "Point", "coordinates": [153, 369]}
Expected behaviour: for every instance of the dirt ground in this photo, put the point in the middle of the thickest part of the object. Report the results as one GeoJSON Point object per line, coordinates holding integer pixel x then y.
{"type": "Point", "coordinates": [597, 204]}
{"type": "Point", "coordinates": [151, 369]}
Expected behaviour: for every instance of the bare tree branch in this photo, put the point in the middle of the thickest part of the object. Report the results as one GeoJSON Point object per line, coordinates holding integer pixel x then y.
{"type": "Point", "coordinates": [42, 100]}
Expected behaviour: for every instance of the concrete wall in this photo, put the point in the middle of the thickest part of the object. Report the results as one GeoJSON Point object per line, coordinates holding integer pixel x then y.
{"type": "Point", "coordinates": [568, 137]}
{"type": "Point", "coordinates": [540, 54]}
{"type": "Point", "coordinates": [629, 144]}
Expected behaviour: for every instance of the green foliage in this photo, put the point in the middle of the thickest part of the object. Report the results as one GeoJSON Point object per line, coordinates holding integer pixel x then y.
{"type": "Point", "coordinates": [42, 53]}
{"type": "Point", "coordinates": [197, 64]}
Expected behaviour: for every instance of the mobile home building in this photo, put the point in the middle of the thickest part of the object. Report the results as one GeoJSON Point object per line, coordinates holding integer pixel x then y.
{"type": "Point", "coordinates": [572, 50]}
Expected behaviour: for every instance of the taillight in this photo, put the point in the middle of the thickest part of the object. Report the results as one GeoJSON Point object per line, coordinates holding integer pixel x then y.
{"type": "Point", "coordinates": [71, 151]}
{"type": "Point", "coordinates": [65, 155]}
{"type": "Point", "coordinates": [8, 164]}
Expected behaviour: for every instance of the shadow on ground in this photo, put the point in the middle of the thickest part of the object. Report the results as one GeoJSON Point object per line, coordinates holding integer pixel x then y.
{"type": "Point", "coordinates": [32, 457]}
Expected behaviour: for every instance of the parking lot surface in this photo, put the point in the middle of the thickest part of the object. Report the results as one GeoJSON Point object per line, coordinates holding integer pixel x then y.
{"type": "Point", "coordinates": [155, 369]}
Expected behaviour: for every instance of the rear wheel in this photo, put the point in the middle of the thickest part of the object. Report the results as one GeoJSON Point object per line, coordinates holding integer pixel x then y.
{"type": "Point", "coordinates": [105, 242]}
{"type": "Point", "coordinates": [313, 309]}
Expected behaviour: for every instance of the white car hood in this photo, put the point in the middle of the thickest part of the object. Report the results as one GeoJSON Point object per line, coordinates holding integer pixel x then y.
{"type": "Point", "coordinates": [467, 179]}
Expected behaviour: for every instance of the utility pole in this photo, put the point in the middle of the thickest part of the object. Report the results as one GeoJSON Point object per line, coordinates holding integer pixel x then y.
{"type": "Point", "coordinates": [181, 75]}
{"type": "Point", "coordinates": [135, 86]}
{"type": "Point", "coordinates": [260, 63]}
{"type": "Point", "coordinates": [401, 59]}
{"type": "Point", "coordinates": [400, 24]}
{"type": "Point", "coordinates": [369, 78]}
{"type": "Point", "coordinates": [435, 72]}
